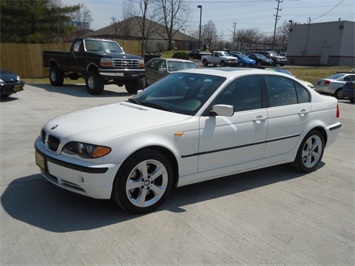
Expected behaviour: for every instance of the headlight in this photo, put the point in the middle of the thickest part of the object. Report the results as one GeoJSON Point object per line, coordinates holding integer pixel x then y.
{"type": "Point", "coordinates": [85, 150]}
{"type": "Point", "coordinates": [106, 62]}
{"type": "Point", "coordinates": [141, 63]}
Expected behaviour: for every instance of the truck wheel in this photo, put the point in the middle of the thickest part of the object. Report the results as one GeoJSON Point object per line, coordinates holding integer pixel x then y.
{"type": "Point", "coordinates": [94, 83]}
{"type": "Point", "coordinates": [56, 76]}
{"type": "Point", "coordinates": [133, 86]}
{"type": "Point", "coordinates": [222, 64]}
{"type": "Point", "coordinates": [204, 62]}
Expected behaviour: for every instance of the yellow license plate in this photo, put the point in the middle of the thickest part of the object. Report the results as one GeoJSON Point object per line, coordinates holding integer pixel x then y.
{"type": "Point", "coordinates": [18, 88]}
{"type": "Point", "coordinates": [41, 161]}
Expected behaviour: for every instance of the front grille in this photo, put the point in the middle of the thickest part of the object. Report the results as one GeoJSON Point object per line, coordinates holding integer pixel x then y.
{"type": "Point", "coordinates": [53, 143]}
{"type": "Point", "coordinates": [43, 136]}
{"type": "Point", "coordinates": [126, 63]}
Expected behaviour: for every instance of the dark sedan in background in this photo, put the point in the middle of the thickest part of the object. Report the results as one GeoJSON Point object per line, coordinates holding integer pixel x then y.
{"type": "Point", "coordinates": [10, 83]}
{"type": "Point", "coordinates": [158, 68]}
{"type": "Point", "coordinates": [261, 59]}
{"type": "Point", "coordinates": [349, 90]}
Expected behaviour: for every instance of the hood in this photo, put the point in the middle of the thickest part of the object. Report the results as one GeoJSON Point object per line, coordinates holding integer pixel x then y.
{"type": "Point", "coordinates": [104, 122]}
{"type": "Point", "coordinates": [8, 76]}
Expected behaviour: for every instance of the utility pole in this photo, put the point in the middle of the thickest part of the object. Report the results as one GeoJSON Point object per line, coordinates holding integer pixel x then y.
{"type": "Point", "coordinates": [277, 17]}
{"type": "Point", "coordinates": [233, 41]}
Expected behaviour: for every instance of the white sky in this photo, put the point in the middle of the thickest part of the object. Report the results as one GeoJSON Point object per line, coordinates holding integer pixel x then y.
{"type": "Point", "coordinates": [247, 14]}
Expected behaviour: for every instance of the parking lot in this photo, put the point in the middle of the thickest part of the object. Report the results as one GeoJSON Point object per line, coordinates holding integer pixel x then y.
{"type": "Point", "coordinates": [272, 216]}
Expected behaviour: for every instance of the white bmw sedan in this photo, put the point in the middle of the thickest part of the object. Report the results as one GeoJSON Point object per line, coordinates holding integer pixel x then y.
{"type": "Point", "coordinates": [191, 126]}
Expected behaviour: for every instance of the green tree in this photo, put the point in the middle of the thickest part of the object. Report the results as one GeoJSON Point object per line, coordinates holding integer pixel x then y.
{"type": "Point", "coordinates": [35, 21]}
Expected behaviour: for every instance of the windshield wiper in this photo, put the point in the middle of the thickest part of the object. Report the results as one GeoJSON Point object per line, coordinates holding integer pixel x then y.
{"type": "Point", "coordinates": [131, 100]}
{"type": "Point", "coordinates": [157, 106]}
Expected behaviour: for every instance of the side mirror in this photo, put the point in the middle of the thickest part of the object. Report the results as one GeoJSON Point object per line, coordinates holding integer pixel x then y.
{"type": "Point", "coordinates": [223, 110]}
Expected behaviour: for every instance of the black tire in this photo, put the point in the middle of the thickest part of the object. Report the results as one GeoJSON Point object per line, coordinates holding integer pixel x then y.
{"type": "Point", "coordinates": [143, 182]}
{"type": "Point", "coordinates": [56, 76]}
{"type": "Point", "coordinates": [273, 63]}
{"type": "Point", "coordinates": [282, 64]}
{"type": "Point", "coordinates": [339, 94]}
{"type": "Point", "coordinates": [352, 100]}
{"type": "Point", "coordinates": [204, 62]}
{"type": "Point", "coordinates": [133, 86]}
{"type": "Point", "coordinates": [310, 152]}
{"type": "Point", "coordinates": [258, 63]}
{"type": "Point", "coordinates": [94, 83]}
{"type": "Point", "coordinates": [222, 64]}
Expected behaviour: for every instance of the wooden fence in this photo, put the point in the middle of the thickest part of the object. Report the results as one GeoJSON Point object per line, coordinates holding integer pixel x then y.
{"type": "Point", "coordinates": [26, 59]}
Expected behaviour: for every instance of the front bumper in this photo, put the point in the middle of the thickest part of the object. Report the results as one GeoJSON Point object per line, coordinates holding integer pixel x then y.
{"type": "Point", "coordinates": [89, 179]}
{"type": "Point", "coordinates": [10, 88]}
{"type": "Point", "coordinates": [122, 73]}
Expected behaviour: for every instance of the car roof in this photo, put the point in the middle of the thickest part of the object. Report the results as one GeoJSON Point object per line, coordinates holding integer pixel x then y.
{"type": "Point", "coordinates": [231, 72]}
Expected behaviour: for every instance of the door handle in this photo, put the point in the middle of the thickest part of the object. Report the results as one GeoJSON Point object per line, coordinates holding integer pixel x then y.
{"type": "Point", "coordinates": [303, 112]}
{"type": "Point", "coordinates": [259, 119]}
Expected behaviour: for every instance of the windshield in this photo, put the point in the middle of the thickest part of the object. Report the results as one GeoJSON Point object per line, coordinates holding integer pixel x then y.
{"type": "Point", "coordinates": [102, 46]}
{"type": "Point", "coordinates": [224, 53]}
{"type": "Point", "coordinates": [260, 56]}
{"type": "Point", "coordinates": [335, 76]}
{"type": "Point", "coordinates": [182, 93]}
{"type": "Point", "coordinates": [180, 65]}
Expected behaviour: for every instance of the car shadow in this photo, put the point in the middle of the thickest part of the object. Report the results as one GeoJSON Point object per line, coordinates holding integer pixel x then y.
{"type": "Point", "coordinates": [79, 90]}
{"type": "Point", "coordinates": [35, 201]}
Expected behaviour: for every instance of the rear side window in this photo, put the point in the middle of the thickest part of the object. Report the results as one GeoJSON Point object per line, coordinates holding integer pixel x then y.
{"type": "Point", "coordinates": [284, 91]}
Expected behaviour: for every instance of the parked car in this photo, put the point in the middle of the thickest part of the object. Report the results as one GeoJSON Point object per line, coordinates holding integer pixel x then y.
{"type": "Point", "coordinates": [10, 83]}
{"type": "Point", "coordinates": [191, 126]}
{"type": "Point", "coordinates": [221, 58]}
{"type": "Point", "coordinates": [349, 90]}
{"type": "Point", "coordinates": [277, 59]}
{"type": "Point", "coordinates": [243, 60]}
{"type": "Point", "coordinates": [261, 59]}
{"type": "Point", "coordinates": [197, 53]}
{"type": "Point", "coordinates": [285, 71]}
{"type": "Point", "coordinates": [333, 85]}
{"type": "Point", "coordinates": [157, 68]}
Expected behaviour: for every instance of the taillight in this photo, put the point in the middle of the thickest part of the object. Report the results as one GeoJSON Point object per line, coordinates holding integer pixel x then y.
{"type": "Point", "coordinates": [327, 82]}
{"type": "Point", "coordinates": [338, 111]}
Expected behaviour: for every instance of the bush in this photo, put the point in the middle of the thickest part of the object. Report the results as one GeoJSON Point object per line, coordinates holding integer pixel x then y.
{"type": "Point", "coordinates": [181, 55]}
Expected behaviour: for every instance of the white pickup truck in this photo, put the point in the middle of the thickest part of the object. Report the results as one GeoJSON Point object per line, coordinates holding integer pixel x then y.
{"type": "Point", "coordinates": [221, 58]}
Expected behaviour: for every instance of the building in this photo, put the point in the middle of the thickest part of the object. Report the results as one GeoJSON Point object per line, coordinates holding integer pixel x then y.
{"type": "Point", "coordinates": [328, 43]}
{"type": "Point", "coordinates": [156, 37]}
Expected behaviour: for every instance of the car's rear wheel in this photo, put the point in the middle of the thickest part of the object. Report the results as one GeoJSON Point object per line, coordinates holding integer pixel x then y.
{"type": "Point", "coordinates": [310, 152]}
{"type": "Point", "coordinates": [56, 76]}
{"type": "Point", "coordinates": [143, 182]}
{"type": "Point", "coordinates": [205, 63]}
{"type": "Point", "coordinates": [339, 94]}
{"type": "Point", "coordinates": [94, 83]}
{"type": "Point", "coordinates": [222, 64]}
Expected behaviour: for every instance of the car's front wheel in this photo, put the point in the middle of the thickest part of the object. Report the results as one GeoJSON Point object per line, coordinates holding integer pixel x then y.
{"type": "Point", "coordinates": [143, 182]}
{"type": "Point", "coordinates": [310, 152]}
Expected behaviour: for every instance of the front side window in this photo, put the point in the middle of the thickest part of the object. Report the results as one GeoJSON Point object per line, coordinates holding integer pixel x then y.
{"type": "Point", "coordinates": [243, 93]}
